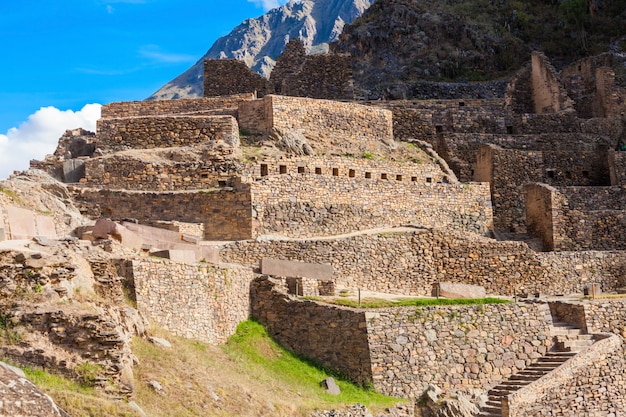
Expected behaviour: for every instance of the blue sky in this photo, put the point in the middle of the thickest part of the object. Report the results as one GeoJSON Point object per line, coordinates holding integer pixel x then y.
{"type": "Point", "coordinates": [62, 55]}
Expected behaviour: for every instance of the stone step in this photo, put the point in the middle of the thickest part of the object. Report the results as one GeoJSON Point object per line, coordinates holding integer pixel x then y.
{"type": "Point", "coordinates": [494, 410]}
{"type": "Point", "coordinates": [559, 331]}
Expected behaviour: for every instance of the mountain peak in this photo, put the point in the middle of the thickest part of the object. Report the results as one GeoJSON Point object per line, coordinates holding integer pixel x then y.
{"type": "Point", "coordinates": [259, 41]}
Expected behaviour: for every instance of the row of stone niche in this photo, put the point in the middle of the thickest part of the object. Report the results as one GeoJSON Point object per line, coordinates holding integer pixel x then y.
{"type": "Point", "coordinates": [282, 169]}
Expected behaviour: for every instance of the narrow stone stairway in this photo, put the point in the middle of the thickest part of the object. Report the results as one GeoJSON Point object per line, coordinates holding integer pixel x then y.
{"type": "Point", "coordinates": [569, 341]}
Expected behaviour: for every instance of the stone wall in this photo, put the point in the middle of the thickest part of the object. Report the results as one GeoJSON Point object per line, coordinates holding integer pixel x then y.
{"type": "Point", "coordinates": [323, 76]}
{"type": "Point", "coordinates": [590, 384]}
{"type": "Point", "coordinates": [591, 82]}
{"type": "Point", "coordinates": [617, 167]}
{"type": "Point", "coordinates": [421, 258]}
{"type": "Point", "coordinates": [606, 316]}
{"type": "Point", "coordinates": [224, 77]}
{"type": "Point", "coordinates": [582, 218]}
{"type": "Point", "coordinates": [192, 106]}
{"type": "Point", "coordinates": [133, 173]}
{"type": "Point", "coordinates": [357, 167]}
{"type": "Point", "coordinates": [454, 347]}
{"type": "Point", "coordinates": [519, 92]}
{"type": "Point", "coordinates": [539, 213]}
{"type": "Point", "coordinates": [421, 118]}
{"type": "Point", "coordinates": [548, 94]}
{"type": "Point", "coordinates": [325, 124]}
{"type": "Point", "coordinates": [302, 205]}
{"type": "Point", "coordinates": [336, 337]}
{"type": "Point", "coordinates": [402, 350]}
{"type": "Point", "coordinates": [225, 213]}
{"type": "Point", "coordinates": [327, 76]}
{"type": "Point", "coordinates": [511, 169]}
{"type": "Point", "coordinates": [204, 302]}
{"type": "Point", "coordinates": [118, 134]}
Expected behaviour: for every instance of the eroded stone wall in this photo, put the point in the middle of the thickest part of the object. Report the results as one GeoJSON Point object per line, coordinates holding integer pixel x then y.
{"type": "Point", "coordinates": [165, 132]}
{"type": "Point", "coordinates": [224, 77]}
{"type": "Point", "coordinates": [192, 106]}
{"type": "Point", "coordinates": [199, 301]}
{"type": "Point", "coordinates": [327, 76]}
{"type": "Point", "coordinates": [301, 205]}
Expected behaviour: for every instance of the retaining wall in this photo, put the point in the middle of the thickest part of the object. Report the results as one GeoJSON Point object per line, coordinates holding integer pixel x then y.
{"type": "Point", "coordinates": [403, 350]}
{"type": "Point", "coordinates": [421, 258]}
{"type": "Point", "coordinates": [198, 301]}
{"type": "Point", "coordinates": [302, 205]}
{"type": "Point", "coordinates": [164, 132]}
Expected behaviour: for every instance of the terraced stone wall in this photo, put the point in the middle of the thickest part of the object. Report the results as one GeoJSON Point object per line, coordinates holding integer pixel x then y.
{"type": "Point", "coordinates": [128, 173]}
{"type": "Point", "coordinates": [402, 350]}
{"type": "Point", "coordinates": [199, 301]}
{"type": "Point", "coordinates": [118, 134]}
{"type": "Point", "coordinates": [325, 124]}
{"type": "Point", "coordinates": [225, 213]}
{"type": "Point", "coordinates": [302, 205]}
{"type": "Point", "coordinates": [411, 262]}
{"type": "Point", "coordinates": [189, 106]}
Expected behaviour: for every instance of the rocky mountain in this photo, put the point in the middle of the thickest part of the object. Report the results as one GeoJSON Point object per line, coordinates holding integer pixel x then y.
{"type": "Point", "coordinates": [398, 44]}
{"type": "Point", "coordinates": [258, 42]}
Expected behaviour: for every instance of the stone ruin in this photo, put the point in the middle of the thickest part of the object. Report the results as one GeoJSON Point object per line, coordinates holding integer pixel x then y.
{"type": "Point", "coordinates": [517, 195]}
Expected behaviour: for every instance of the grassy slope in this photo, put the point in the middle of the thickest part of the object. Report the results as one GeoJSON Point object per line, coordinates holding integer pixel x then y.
{"type": "Point", "coordinates": [249, 376]}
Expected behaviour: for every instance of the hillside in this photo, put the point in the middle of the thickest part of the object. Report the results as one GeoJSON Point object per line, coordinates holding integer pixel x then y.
{"type": "Point", "coordinates": [258, 42]}
{"type": "Point", "coordinates": [405, 41]}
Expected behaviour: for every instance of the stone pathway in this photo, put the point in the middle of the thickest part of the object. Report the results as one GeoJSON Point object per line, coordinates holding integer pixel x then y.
{"type": "Point", "coordinates": [569, 341]}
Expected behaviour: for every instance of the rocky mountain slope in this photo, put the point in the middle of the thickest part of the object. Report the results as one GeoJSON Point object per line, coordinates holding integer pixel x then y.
{"type": "Point", "coordinates": [258, 42]}
{"type": "Point", "coordinates": [397, 43]}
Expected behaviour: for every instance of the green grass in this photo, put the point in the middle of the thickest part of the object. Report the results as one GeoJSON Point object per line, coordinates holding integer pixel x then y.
{"type": "Point", "coordinates": [252, 345]}
{"type": "Point", "coordinates": [410, 302]}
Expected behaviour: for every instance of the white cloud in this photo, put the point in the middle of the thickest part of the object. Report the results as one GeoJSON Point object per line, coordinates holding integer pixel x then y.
{"type": "Point", "coordinates": [39, 135]}
{"type": "Point", "coordinates": [268, 4]}
{"type": "Point", "coordinates": [154, 52]}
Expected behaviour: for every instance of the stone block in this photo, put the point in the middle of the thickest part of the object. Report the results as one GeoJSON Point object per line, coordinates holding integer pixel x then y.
{"type": "Point", "coordinates": [2, 235]}
{"type": "Point", "coordinates": [177, 255]}
{"type": "Point", "coordinates": [454, 290]}
{"type": "Point", "coordinates": [277, 267]}
{"type": "Point", "coordinates": [104, 228]}
{"type": "Point", "coordinates": [331, 386]}
{"type": "Point", "coordinates": [22, 223]}
{"type": "Point", "coordinates": [45, 226]}
{"type": "Point", "coordinates": [73, 170]}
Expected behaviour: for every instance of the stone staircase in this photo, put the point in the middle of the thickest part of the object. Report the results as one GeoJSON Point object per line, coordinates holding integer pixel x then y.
{"type": "Point", "coordinates": [569, 341]}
